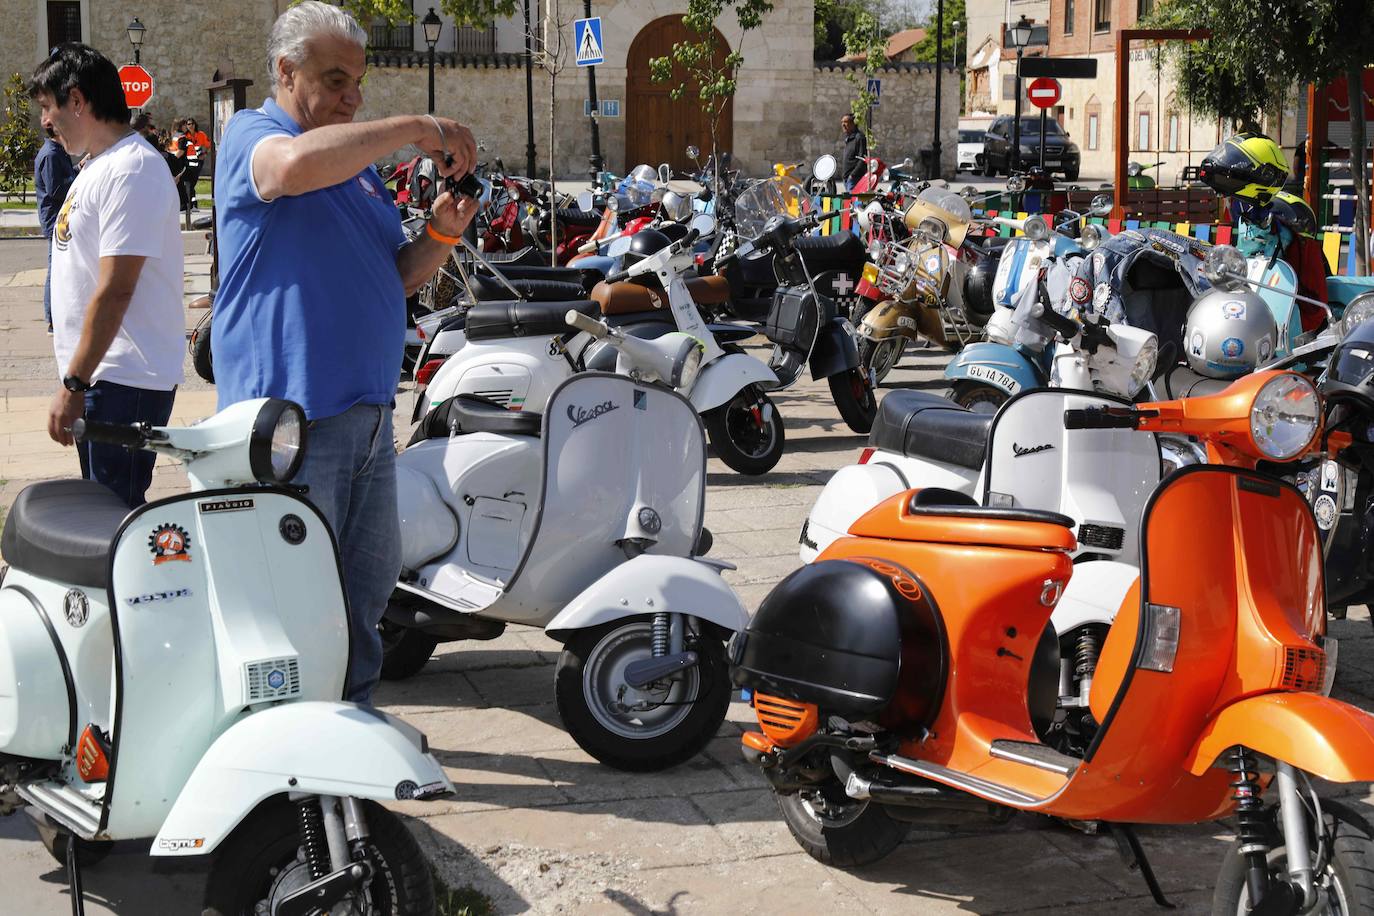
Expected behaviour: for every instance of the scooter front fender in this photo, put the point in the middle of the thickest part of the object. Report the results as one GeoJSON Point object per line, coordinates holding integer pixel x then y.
{"type": "Point", "coordinates": [721, 379]}
{"type": "Point", "coordinates": [1316, 734]}
{"type": "Point", "coordinates": [650, 584]}
{"type": "Point", "coordinates": [315, 748]}
{"type": "Point", "coordinates": [835, 350]}
{"type": "Point", "coordinates": [993, 364]}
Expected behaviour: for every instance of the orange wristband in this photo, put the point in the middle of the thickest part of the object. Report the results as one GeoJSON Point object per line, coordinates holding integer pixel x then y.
{"type": "Point", "coordinates": [446, 239]}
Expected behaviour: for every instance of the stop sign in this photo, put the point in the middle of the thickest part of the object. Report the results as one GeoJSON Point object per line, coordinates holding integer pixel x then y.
{"type": "Point", "coordinates": [138, 85]}
{"type": "Point", "coordinates": [1043, 92]}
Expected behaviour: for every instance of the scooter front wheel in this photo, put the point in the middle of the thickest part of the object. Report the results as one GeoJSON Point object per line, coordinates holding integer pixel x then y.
{"type": "Point", "coordinates": [746, 432]}
{"type": "Point", "coordinates": [838, 830]}
{"type": "Point", "coordinates": [263, 861]}
{"type": "Point", "coordinates": [855, 399]}
{"type": "Point", "coordinates": [639, 729]}
{"type": "Point", "coordinates": [881, 356]}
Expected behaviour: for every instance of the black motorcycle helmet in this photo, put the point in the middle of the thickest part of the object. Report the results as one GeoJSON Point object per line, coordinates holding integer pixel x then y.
{"type": "Point", "coordinates": [1292, 211]}
{"type": "Point", "coordinates": [1247, 166]}
{"type": "Point", "coordinates": [675, 232]}
{"type": "Point", "coordinates": [642, 244]}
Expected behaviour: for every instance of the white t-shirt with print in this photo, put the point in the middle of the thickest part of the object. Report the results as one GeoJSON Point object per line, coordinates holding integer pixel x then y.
{"type": "Point", "coordinates": [123, 202]}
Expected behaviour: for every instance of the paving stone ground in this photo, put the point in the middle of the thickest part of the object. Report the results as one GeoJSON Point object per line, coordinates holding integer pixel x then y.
{"type": "Point", "coordinates": [538, 826]}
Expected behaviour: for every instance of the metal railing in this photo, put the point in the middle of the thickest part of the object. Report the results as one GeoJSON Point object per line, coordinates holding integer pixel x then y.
{"type": "Point", "coordinates": [476, 41]}
{"type": "Point", "coordinates": [384, 37]}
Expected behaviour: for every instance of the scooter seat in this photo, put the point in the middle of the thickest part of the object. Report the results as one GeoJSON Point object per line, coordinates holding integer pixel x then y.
{"type": "Point", "coordinates": [571, 217]}
{"type": "Point", "coordinates": [490, 289]}
{"type": "Point", "coordinates": [939, 501]}
{"type": "Point", "coordinates": [922, 425]}
{"type": "Point", "coordinates": [627, 298]}
{"type": "Point", "coordinates": [490, 320]}
{"type": "Point", "coordinates": [62, 530]}
{"type": "Point", "coordinates": [840, 251]}
{"type": "Point", "coordinates": [583, 277]}
{"type": "Point", "coordinates": [470, 413]}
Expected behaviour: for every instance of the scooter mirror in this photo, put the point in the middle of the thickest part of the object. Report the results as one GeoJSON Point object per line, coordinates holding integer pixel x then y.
{"type": "Point", "coordinates": [824, 168]}
{"type": "Point", "coordinates": [907, 164]}
{"type": "Point", "coordinates": [665, 172]}
{"type": "Point", "coordinates": [693, 153]}
{"type": "Point", "coordinates": [703, 224]}
{"type": "Point", "coordinates": [1036, 228]}
{"type": "Point", "coordinates": [619, 246]}
{"type": "Point", "coordinates": [1016, 184]}
{"type": "Point", "coordinates": [1101, 205]}
{"type": "Point", "coordinates": [586, 200]}
{"type": "Point", "coordinates": [1222, 265]}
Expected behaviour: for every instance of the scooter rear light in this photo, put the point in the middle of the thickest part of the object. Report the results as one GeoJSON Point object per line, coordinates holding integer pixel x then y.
{"type": "Point", "coordinates": [427, 371]}
{"type": "Point", "coordinates": [865, 455]}
{"type": "Point", "coordinates": [1304, 668]}
{"type": "Point", "coordinates": [92, 755]}
{"type": "Point", "coordinates": [785, 722]}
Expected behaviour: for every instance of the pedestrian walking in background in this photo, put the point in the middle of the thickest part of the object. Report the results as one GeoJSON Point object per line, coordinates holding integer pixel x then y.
{"type": "Point", "coordinates": [197, 149]}
{"type": "Point", "coordinates": [118, 325]}
{"type": "Point", "coordinates": [855, 150]}
{"type": "Point", "coordinates": [174, 148]}
{"type": "Point", "coordinates": [53, 174]}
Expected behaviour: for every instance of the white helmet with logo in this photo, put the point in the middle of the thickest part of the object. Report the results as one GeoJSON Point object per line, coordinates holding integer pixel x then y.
{"type": "Point", "coordinates": [1229, 334]}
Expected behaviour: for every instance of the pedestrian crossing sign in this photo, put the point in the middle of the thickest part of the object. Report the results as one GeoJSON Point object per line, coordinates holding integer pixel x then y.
{"type": "Point", "coordinates": [587, 40]}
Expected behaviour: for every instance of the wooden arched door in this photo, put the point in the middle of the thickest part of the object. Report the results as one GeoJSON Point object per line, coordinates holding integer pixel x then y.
{"type": "Point", "coordinates": [657, 127]}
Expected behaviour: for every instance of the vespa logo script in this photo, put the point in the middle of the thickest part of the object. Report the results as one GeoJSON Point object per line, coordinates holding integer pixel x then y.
{"type": "Point", "coordinates": [1019, 451]}
{"type": "Point", "coordinates": [580, 415]}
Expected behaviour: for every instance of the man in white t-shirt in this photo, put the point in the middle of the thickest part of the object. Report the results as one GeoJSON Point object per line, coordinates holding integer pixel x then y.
{"type": "Point", "coordinates": [118, 325]}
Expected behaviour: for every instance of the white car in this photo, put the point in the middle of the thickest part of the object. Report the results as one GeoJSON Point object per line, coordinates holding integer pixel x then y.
{"type": "Point", "coordinates": [970, 149]}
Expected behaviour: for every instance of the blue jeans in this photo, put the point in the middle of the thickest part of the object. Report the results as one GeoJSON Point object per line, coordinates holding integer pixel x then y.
{"type": "Point", "coordinates": [127, 472]}
{"type": "Point", "coordinates": [350, 468]}
{"type": "Point", "coordinates": [47, 287]}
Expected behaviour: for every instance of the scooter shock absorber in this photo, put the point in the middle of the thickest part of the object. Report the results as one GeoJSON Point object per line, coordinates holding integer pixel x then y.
{"type": "Point", "coordinates": [1086, 650]}
{"type": "Point", "coordinates": [313, 842]}
{"type": "Point", "coordinates": [662, 632]}
{"type": "Point", "coordinates": [1251, 826]}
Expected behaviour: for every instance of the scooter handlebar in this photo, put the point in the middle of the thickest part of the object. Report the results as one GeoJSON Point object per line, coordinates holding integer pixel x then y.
{"type": "Point", "coordinates": [590, 325]}
{"type": "Point", "coordinates": [1102, 418]}
{"type": "Point", "coordinates": [124, 435]}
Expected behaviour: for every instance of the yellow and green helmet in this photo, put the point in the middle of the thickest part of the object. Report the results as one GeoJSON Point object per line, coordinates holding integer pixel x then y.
{"type": "Point", "coordinates": [1248, 166]}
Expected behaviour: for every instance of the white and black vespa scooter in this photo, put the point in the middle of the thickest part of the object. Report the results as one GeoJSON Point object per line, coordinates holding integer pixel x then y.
{"type": "Point", "coordinates": [584, 520]}
{"type": "Point", "coordinates": [175, 672]}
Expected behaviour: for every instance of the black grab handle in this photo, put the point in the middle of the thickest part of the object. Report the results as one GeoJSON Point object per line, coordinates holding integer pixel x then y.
{"type": "Point", "coordinates": [122, 434]}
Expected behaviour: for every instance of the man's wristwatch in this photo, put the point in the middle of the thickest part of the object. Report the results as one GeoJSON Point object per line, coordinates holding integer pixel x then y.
{"type": "Point", "coordinates": [74, 384]}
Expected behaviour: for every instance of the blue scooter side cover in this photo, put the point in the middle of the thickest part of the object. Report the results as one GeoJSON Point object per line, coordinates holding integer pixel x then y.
{"type": "Point", "coordinates": [995, 364]}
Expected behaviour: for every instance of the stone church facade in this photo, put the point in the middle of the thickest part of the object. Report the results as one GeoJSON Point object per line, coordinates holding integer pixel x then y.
{"type": "Point", "coordinates": [787, 108]}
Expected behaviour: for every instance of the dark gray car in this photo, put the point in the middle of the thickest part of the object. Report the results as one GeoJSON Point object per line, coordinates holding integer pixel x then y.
{"type": "Point", "coordinates": [1061, 153]}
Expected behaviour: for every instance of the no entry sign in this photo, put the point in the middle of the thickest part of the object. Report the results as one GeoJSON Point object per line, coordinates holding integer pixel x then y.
{"type": "Point", "coordinates": [1043, 92]}
{"type": "Point", "coordinates": [138, 85]}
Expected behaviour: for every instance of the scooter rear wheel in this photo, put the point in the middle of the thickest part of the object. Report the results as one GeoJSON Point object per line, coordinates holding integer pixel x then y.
{"type": "Point", "coordinates": [262, 861]}
{"type": "Point", "coordinates": [838, 830]}
{"type": "Point", "coordinates": [405, 650]}
{"type": "Point", "coordinates": [1345, 881]}
{"type": "Point", "coordinates": [738, 437]}
{"type": "Point", "coordinates": [978, 397]}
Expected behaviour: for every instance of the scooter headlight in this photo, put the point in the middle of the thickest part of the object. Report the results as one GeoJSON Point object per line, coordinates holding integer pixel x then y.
{"type": "Point", "coordinates": [277, 444]}
{"type": "Point", "coordinates": [1285, 416]}
{"type": "Point", "coordinates": [1090, 237]}
{"type": "Point", "coordinates": [1145, 362]}
{"type": "Point", "coordinates": [1360, 310]}
{"type": "Point", "coordinates": [1037, 228]}
{"type": "Point", "coordinates": [687, 364]}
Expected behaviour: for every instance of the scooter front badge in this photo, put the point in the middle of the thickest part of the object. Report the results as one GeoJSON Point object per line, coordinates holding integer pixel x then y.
{"type": "Point", "coordinates": [168, 543]}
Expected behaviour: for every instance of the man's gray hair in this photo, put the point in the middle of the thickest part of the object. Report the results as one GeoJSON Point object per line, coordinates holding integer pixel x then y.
{"type": "Point", "coordinates": [302, 22]}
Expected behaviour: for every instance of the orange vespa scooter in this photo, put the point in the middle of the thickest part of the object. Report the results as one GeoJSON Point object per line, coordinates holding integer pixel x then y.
{"type": "Point", "coordinates": [910, 675]}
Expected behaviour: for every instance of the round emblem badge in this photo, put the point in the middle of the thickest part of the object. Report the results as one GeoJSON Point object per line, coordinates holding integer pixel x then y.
{"type": "Point", "coordinates": [76, 607]}
{"type": "Point", "coordinates": [1079, 290]}
{"type": "Point", "coordinates": [1233, 348]}
{"type": "Point", "coordinates": [1325, 511]}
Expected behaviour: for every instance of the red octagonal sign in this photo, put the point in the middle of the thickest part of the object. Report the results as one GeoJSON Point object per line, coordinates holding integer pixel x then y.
{"type": "Point", "coordinates": [138, 85]}
{"type": "Point", "coordinates": [1043, 92]}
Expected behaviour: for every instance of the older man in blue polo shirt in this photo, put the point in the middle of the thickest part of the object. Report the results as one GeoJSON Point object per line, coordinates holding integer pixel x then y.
{"type": "Point", "coordinates": [314, 271]}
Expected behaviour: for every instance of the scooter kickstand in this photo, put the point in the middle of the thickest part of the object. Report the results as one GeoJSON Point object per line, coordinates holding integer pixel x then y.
{"type": "Point", "coordinates": [1133, 854]}
{"type": "Point", "coordinates": [74, 877]}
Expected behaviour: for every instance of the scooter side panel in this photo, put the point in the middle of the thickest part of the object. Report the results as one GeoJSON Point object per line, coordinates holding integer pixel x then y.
{"type": "Point", "coordinates": [993, 364]}
{"type": "Point", "coordinates": [35, 710]}
{"type": "Point", "coordinates": [721, 379]}
{"type": "Point", "coordinates": [849, 493]}
{"type": "Point", "coordinates": [519, 372]}
{"type": "Point", "coordinates": [223, 601]}
{"type": "Point", "coordinates": [313, 748]}
{"type": "Point", "coordinates": [648, 585]}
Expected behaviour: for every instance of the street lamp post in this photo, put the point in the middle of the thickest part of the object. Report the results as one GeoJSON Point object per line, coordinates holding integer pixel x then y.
{"type": "Point", "coordinates": [1020, 37]}
{"type": "Point", "coordinates": [433, 25]}
{"type": "Point", "coordinates": [136, 31]}
{"type": "Point", "coordinates": [529, 97]}
{"type": "Point", "coordinates": [939, 65]}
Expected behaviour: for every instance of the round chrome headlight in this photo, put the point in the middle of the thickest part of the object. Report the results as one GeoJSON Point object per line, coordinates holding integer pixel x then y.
{"type": "Point", "coordinates": [1036, 228]}
{"type": "Point", "coordinates": [1091, 237]}
{"type": "Point", "coordinates": [1285, 416]}
{"type": "Point", "coordinates": [686, 361]}
{"type": "Point", "coordinates": [1360, 310]}
{"type": "Point", "coordinates": [875, 251]}
{"type": "Point", "coordinates": [1221, 263]}
{"type": "Point", "coordinates": [1144, 368]}
{"type": "Point", "coordinates": [901, 261]}
{"type": "Point", "coordinates": [276, 446]}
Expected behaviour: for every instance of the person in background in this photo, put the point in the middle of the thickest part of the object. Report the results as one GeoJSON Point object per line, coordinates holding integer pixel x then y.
{"type": "Point", "coordinates": [174, 151]}
{"type": "Point", "coordinates": [118, 324]}
{"type": "Point", "coordinates": [314, 272]}
{"type": "Point", "coordinates": [198, 147]}
{"type": "Point", "coordinates": [53, 174]}
{"type": "Point", "coordinates": [855, 149]}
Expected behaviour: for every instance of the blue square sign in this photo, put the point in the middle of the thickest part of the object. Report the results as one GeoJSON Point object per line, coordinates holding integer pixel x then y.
{"type": "Point", "coordinates": [875, 89]}
{"type": "Point", "coordinates": [587, 41]}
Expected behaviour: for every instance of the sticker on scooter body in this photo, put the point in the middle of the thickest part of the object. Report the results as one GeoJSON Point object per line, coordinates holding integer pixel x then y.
{"type": "Point", "coordinates": [188, 843]}
{"type": "Point", "coordinates": [996, 376]}
{"type": "Point", "coordinates": [150, 597]}
{"type": "Point", "coordinates": [168, 543]}
{"type": "Point", "coordinates": [580, 415]}
{"type": "Point", "coordinates": [76, 607]}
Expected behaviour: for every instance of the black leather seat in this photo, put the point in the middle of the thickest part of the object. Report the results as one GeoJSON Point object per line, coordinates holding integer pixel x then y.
{"type": "Point", "coordinates": [939, 501]}
{"type": "Point", "coordinates": [469, 413]}
{"type": "Point", "coordinates": [923, 425]}
{"type": "Point", "coordinates": [582, 276]}
{"type": "Point", "coordinates": [488, 320]}
{"type": "Point", "coordinates": [62, 530]}
{"type": "Point", "coordinates": [570, 217]}
{"type": "Point", "coordinates": [490, 289]}
{"type": "Point", "coordinates": [841, 251]}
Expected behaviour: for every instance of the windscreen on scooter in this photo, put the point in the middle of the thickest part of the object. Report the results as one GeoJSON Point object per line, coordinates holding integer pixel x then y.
{"type": "Point", "coordinates": [765, 200]}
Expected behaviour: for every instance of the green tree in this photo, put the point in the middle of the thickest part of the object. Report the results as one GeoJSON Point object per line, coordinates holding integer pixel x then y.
{"type": "Point", "coordinates": [955, 16]}
{"type": "Point", "coordinates": [1258, 52]}
{"type": "Point", "coordinates": [867, 38]}
{"type": "Point", "coordinates": [477, 13]}
{"type": "Point", "coordinates": [700, 65]}
{"type": "Point", "coordinates": [833, 18]}
{"type": "Point", "coordinates": [19, 142]}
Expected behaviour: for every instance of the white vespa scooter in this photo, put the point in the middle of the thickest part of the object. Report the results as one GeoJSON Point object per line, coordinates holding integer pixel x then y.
{"type": "Point", "coordinates": [516, 354]}
{"type": "Point", "coordinates": [585, 521]}
{"type": "Point", "coordinates": [175, 672]}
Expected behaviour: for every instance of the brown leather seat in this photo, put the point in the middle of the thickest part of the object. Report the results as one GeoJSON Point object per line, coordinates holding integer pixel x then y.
{"type": "Point", "coordinates": [631, 298]}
